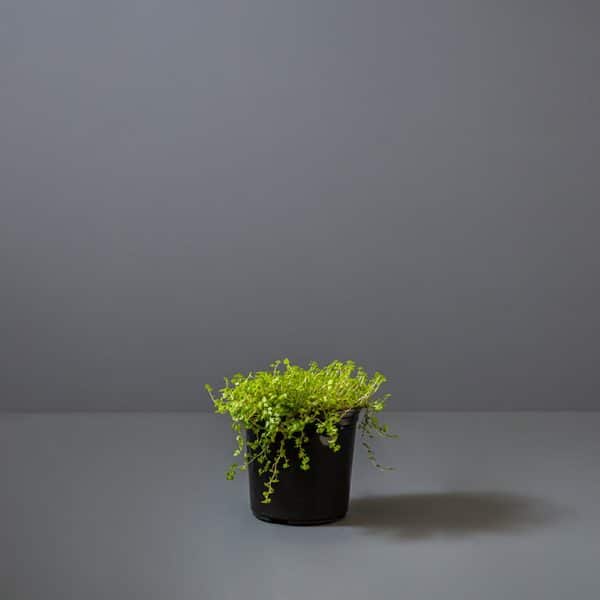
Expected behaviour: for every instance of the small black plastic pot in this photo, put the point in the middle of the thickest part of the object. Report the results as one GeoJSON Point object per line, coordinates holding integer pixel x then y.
{"type": "Point", "coordinates": [314, 497]}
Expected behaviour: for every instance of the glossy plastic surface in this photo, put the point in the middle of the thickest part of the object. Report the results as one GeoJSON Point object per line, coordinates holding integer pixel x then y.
{"type": "Point", "coordinates": [314, 497]}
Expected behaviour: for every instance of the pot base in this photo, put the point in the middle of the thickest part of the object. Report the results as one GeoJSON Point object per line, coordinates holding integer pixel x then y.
{"type": "Point", "coordinates": [268, 519]}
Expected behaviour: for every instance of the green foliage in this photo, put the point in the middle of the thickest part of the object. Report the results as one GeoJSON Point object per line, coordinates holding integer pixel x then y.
{"type": "Point", "coordinates": [277, 406]}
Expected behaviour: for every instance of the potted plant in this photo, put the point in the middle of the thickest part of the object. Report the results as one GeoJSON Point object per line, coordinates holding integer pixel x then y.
{"type": "Point", "coordinates": [299, 428]}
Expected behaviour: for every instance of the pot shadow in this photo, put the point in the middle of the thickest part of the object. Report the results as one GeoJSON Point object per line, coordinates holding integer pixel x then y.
{"type": "Point", "coordinates": [450, 514]}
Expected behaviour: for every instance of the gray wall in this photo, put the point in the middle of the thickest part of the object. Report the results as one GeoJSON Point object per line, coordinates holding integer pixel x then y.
{"type": "Point", "coordinates": [190, 189]}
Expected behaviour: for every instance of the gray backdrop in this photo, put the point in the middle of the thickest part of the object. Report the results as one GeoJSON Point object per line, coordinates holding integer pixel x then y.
{"type": "Point", "coordinates": [190, 189]}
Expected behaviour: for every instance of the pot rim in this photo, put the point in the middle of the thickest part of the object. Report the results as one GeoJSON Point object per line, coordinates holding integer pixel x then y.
{"type": "Point", "coordinates": [348, 418]}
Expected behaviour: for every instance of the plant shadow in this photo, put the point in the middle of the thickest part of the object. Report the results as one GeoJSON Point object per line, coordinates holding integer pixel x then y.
{"type": "Point", "coordinates": [450, 514]}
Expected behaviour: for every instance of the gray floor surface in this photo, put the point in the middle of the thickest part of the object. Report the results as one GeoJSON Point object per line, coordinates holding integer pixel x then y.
{"type": "Point", "coordinates": [486, 506]}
